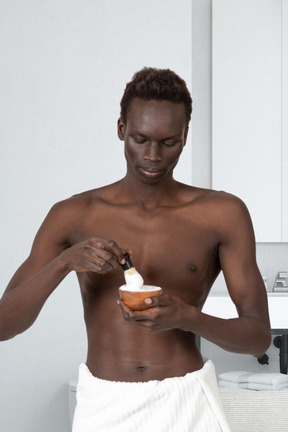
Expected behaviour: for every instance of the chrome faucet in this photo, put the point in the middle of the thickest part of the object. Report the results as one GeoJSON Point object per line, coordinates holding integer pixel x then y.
{"type": "Point", "coordinates": [281, 282]}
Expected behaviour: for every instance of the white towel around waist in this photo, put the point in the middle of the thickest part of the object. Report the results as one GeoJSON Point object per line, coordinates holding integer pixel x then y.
{"type": "Point", "coordinates": [188, 404]}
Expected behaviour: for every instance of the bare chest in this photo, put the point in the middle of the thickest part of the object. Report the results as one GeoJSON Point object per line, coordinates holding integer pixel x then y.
{"type": "Point", "coordinates": [169, 248]}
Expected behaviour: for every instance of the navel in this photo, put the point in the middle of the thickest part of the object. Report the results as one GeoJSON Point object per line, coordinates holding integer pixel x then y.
{"type": "Point", "coordinates": [141, 368]}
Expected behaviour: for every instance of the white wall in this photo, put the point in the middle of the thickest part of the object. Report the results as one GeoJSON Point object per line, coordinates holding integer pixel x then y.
{"type": "Point", "coordinates": [271, 257]}
{"type": "Point", "coordinates": [247, 129]}
{"type": "Point", "coordinates": [64, 65]}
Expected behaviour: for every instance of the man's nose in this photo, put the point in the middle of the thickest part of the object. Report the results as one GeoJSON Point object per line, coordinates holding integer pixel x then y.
{"type": "Point", "coordinates": [153, 153]}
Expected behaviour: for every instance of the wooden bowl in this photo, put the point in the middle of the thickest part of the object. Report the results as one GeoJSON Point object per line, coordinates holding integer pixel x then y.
{"type": "Point", "coordinates": [135, 300]}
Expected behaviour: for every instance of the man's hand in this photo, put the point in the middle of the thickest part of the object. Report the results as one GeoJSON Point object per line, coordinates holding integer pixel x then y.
{"type": "Point", "coordinates": [95, 254]}
{"type": "Point", "coordinates": [164, 313]}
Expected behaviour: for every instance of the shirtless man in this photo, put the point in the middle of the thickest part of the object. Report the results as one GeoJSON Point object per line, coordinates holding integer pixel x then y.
{"type": "Point", "coordinates": [179, 237]}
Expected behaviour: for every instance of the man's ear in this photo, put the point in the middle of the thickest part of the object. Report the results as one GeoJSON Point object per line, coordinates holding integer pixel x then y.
{"type": "Point", "coordinates": [186, 134]}
{"type": "Point", "coordinates": [121, 129]}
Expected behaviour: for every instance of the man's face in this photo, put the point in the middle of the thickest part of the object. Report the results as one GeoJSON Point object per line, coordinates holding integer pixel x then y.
{"type": "Point", "coordinates": [154, 135]}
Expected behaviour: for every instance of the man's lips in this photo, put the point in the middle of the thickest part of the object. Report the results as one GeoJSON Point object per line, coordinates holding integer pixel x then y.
{"type": "Point", "coordinates": [150, 172]}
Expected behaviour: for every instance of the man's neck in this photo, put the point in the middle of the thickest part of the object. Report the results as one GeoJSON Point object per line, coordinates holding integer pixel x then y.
{"type": "Point", "coordinates": [150, 197]}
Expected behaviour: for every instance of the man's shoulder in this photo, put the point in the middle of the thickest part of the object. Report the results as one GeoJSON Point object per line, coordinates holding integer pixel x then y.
{"type": "Point", "coordinates": [210, 196]}
{"type": "Point", "coordinates": [83, 201]}
{"type": "Point", "coordinates": [226, 212]}
{"type": "Point", "coordinates": [227, 201]}
{"type": "Point", "coordinates": [74, 203]}
{"type": "Point", "coordinates": [220, 205]}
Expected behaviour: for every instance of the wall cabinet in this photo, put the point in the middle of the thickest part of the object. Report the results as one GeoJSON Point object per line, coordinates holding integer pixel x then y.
{"type": "Point", "coordinates": [249, 109]}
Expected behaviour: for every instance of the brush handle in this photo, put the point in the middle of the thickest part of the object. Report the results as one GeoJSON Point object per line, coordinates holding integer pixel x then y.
{"type": "Point", "coordinates": [128, 264]}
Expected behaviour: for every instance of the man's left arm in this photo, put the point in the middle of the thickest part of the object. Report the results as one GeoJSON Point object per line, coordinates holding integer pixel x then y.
{"type": "Point", "coordinates": [249, 333]}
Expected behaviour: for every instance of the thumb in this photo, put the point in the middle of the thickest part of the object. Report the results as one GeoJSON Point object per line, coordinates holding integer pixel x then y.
{"type": "Point", "coordinates": [153, 301]}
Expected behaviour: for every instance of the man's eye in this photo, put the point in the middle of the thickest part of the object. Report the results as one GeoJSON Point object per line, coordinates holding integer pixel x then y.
{"type": "Point", "coordinates": [169, 144]}
{"type": "Point", "coordinates": [139, 140]}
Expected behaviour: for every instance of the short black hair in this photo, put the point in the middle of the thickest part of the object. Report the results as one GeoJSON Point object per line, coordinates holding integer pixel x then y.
{"type": "Point", "coordinates": [156, 84]}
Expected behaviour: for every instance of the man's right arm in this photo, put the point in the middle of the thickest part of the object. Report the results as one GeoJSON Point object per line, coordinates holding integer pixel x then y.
{"type": "Point", "coordinates": [49, 262]}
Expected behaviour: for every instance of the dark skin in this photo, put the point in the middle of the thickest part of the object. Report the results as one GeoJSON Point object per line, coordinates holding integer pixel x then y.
{"type": "Point", "coordinates": [179, 238]}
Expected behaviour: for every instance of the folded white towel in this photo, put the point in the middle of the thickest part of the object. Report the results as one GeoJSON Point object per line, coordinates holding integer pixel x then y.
{"type": "Point", "coordinates": [266, 387]}
{"type": "Point", "coordinates": [235, 376]}
{"type": "Point", "coordinates": [232, 385]}
{"type": "Point", "coordinates": [272, 379]}
{"type": "Point", "coordinates": [251, 386]}
{"type": "Point", "coordinates": [253, 381]}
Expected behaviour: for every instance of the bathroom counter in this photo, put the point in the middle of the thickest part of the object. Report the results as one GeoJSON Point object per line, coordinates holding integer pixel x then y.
{"type": "Point", "coordinates": [221, 305]}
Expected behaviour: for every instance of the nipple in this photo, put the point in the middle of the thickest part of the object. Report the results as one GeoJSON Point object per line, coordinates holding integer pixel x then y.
{"type": "Point", "coordinates": [133, 279]}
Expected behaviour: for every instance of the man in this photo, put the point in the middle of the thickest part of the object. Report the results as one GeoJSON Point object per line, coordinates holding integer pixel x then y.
{"type": "Point", "coordinates": [145, 372]}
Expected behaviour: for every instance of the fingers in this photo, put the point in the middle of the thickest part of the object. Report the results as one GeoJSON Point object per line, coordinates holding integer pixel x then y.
{"type": "Point", "coordinates": [164, 313]}
{"type": "Point", "coordinates": [137, 317]}
{"type": "Point", "coordinates": [93, 257]}
{"type": "Point", "coordinates": [112, 248]}
{"type": "Point", "coordinates": [95, 254]}
{"type": "Point", "coordinates": [107, 253]}
{"type": "Point", "coordinates": [149, 318]}
{"type": "Point", "coordinates": [131, 315]}
{"type": "Point", "coordinates": [154, 301]}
